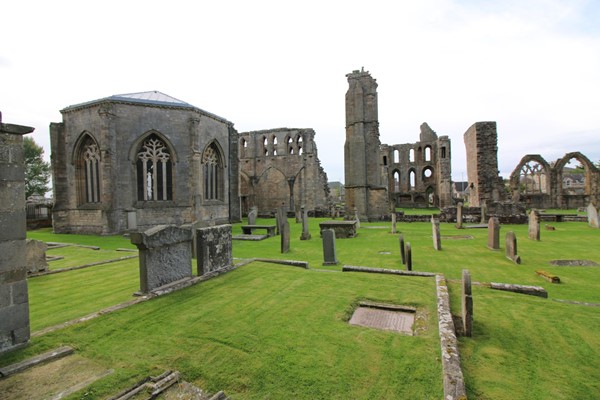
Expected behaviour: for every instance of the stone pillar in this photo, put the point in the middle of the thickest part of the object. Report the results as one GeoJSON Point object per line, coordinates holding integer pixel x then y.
{"type": "Point", "coordinates": [459, 216]}
{"type": "Point", "coordinates": [329, 252]}
{"type": "Point", "coordinates": [213, 246]}
{"type": "Point", "coordinates": [165, 255]}
{"type": "Point", "coordinates": [534, 225]}
{"type": "Point", "coordinates": [467, 304]}
{"type": "Point", "coordinates": [494, 233]}
{"type": "Point", "coordinates": [14, 295]}
{"type": "Point", "coordinates": [435, 228]}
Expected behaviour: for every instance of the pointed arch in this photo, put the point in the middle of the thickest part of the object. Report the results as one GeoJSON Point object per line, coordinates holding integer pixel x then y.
{"type": "Point", "coordinates": [87, 160]}
{"type": "Point", "coordinates": [153, 156]}
{"type": "Point", "coordinates": [213, 168]}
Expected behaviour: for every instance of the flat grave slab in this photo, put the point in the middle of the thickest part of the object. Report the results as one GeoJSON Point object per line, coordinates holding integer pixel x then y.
{"type": "Point", "coordinates": [390, 320]}
{"type": "Point", "coordinates": [253, 237]}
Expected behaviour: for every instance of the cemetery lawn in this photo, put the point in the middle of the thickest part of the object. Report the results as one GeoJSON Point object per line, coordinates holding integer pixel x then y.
{"type": "Point", "coordinates": [271, 331]}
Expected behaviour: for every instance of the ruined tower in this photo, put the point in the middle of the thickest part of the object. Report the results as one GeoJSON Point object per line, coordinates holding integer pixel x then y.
{"type": "Point", "coordinates": [365, 190]}
{"type": "Point", "coordinates": [485, 185]}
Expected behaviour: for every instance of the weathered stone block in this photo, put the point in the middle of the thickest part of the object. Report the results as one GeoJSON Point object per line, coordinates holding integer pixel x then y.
{"type": "Point", "coordinates": [16, 220]}
{"type": "Point", "coordinates": [12, 255]}
{"type": "Point", "coordinates": [36, 256]}
{"type": "Point", "coordinates": [20, 294]}
{"type": "Point", "coordinates": [214, 248]}
{"type": "Point", "coordinates": [13, 275]}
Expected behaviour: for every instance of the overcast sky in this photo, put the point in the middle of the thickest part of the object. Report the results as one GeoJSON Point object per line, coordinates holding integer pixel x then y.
{"type": "Point", "coordinates": [533, 66]}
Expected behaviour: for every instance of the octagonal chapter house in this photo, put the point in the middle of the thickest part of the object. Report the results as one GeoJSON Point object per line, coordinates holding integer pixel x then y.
{"type": "Point", "coordinates": [129, 162]}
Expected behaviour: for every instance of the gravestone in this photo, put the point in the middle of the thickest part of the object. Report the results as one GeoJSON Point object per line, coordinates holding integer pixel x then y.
{"type": "Point", "coordinates": [408, 257]}
{"type": "Point", "coordinates": [393, 222]}
{"type": "Point", "coordinates": [329, 252]}
{"type": "Point", "coordinates": [483, 212]}
{"type": "Point", "coordinates": [435, 228]}
{"type": "Point", "coordinates": [285, 237]}
{"type": "Point", "coordinates": [467, 304]}
{"type": "Point", "coordinates": [402, 253]}
{"type": "Point", "coordinates": [511, 248]}
{"type": "Point", "coordinates": [213, 246]}
{"type": "Point", "coordinates": [592, 215]}
{"type": "Point", "coordinates": [356, 218]}
{"type": "Point", "coordinates": [252, 216]}
{"type": "Point", "coordinates": [298, 214]}
{"type": "Point", "coordinates": [459, 217]}
{"type": "Point", "coordinates": [36, 256]}
{"type": "Point", "coordinates": [305, 233]}
{"type": "Point", "coordinates": [494, 233]}
{"type": "Point", "coordinates": [14, 294]}
{"type": "Point", "coordinates": [534, 225]}
{"type": "Point", "coordinates": [280, 215]}
{"type": "Point", "coordinates": [165, 255]}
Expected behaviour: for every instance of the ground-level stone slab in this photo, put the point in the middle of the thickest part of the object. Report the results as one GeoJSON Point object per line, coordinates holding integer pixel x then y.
{"type": "Point", "coordinates": [255, 238]}
{"type": "Point", "coordinates": [390, 320]}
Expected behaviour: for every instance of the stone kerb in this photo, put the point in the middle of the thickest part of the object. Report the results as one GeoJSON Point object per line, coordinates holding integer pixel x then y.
{"type": "Point", "coordinates": [214, 248]}
{"type": "Point", "coordinates": [165, 255]}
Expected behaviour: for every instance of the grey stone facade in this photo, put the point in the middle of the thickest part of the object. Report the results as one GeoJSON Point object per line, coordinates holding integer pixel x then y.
{"type": "Point", "coordinates": [14, 296]}
{"type": "Point", "coordinates": [419, 174]}
{"type": "Point", "coordinates": [281, 168]}
{"type": "Point", "coordinates": [129, 162]}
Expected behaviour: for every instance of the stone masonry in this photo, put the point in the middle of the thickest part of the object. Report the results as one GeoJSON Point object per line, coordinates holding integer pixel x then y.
{"type": "Point", "coordinates": [281, 168]}
{"type": "Point", "coordinates": [14, 296]}
{"type": "Point", "coordinates": [485, 184]}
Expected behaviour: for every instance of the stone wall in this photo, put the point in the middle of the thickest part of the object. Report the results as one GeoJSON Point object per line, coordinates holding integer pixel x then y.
{"type": "Point", "coordinates": [485, 185]}
{"type": "Point", "coordinates": [281, 168]}
{"type": "Point", "coordinates": [14, 296]}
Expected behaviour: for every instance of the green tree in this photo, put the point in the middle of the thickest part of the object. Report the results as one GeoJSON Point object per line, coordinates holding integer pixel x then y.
{"type": "Point", "coordinates": [37, 171]}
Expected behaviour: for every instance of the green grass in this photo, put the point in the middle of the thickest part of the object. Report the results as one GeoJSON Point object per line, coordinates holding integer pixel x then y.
{"type": "Point", "coordinates": [266, 331]}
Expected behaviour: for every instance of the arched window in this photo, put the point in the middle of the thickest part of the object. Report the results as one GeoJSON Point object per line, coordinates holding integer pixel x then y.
{"type": "Point", "coordinates": [290, 145]}
{"type": "Point", "coordinates": [265, 146]}
{"type": "Point", "coordinates": [243, 147]}
{"type": "Point", "coordinates": [396, 156]}
{"type": "Point", "coordinates": [213, 173]}
{"type": "Point", "coordinates": [412, 179]}
{"type": "Point", "coordinates": [427, 153]}
{"type": "Point", "coordinates": [411, 155]}
{"type": "Point", "coordinates": [396, 176]}
{"type": "Point", "coordinates": [154, 171]}
{"type": "Point", "coordinates": [88, 171]}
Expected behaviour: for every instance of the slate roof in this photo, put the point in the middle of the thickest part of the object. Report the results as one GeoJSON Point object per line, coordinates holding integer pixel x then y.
{"type": "Point", "coordinates": [153, 98]}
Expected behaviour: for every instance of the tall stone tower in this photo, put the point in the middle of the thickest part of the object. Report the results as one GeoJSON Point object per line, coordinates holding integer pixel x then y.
{"type": "Point", "coordinates": [365, 189]}
{"type": "Point", "coordinates": [485, 185]}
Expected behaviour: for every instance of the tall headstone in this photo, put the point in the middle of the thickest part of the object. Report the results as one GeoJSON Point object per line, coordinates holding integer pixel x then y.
{"type": "Point", "coordinates": [298, 214]}
{"type": "Point", "coordinates": [357, 218]}
{"type": "Point", "coordinates": [305, 233]}
{"type": "Point", "coordinates": [483, 212]}
{"type": "Point", "coordinates": [14, 295]}
{"type": "Point", "coordinates": [511, 248]}
{"type": "Point", "coordinates": [592, 215]}
{"type": "Point", "coordinates": [213, 246]}
{"type": "Point", "coordinates": [252, 214]}
{"type": "Point", "coordinates": [534, 225]}
{"type": "Point", "coordinates": [467, 304]}
{"type": "Point", "coordinates": [329, 252]}
{"type": "Point", "coordinates": [394, 222]}
{"type": "Point", "coordinates": [165, 255]}
{"type": "Point", "coordinates": [402, 252]}
{"type": "Point", "coordinates": [494, 233]}
{"type": "Point", "coordinates": [459, 215]}
{"type": "Point", "coordinates": [285, 237]}
{"type": "Point", "coordinates": [435, 229]}
{"type": "Point", "coordinates": [408, 257]}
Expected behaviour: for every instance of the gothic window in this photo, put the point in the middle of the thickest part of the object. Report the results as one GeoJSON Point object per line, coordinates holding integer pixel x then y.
{"type": "Point", "coordinates": [396, 181]}
{"type": "Point", "coordinates": [532, 178]}
{"type": "Point", "coordinates": [274, 141]}
{"type": "Point", "coordinates": [154, 171]}
{"type": "Point", "coordinates": [427, 153]}
{"type": "Point", "coordinates": [213, 173]}
{"type": "Point", "coordinates": [290, 145]}
{"type": "Point", "coordinates": [243, 148]}
{"type": "Point", "coordinates": [88, 171]}
{"type": "Point", "coordinates": [412, 179]}
{"type": "Point", "coordinates": [411, 155]}
{"type": "Point", "coordinates": [396, 156]}
{"type": "Point", "coordinates": [384, 161]}
{"type": "Point", "coordinates": [265, 146]}
{"type": "Point", "coordinates": [443, 152]}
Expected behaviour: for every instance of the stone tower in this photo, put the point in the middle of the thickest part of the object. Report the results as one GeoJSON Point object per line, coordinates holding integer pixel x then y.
{"type": "Point", "coordinates": [485, 185]}
{"type": "Point", "coordinates": [365, 189]}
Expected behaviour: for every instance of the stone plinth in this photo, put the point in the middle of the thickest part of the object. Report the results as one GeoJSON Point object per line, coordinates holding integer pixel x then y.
{"type": "Point", "coordinates": [165, 255]}
{"type": "Point", "coordinates": [343, 229]}
{"type": "Point", "coordinates": [214, 248]}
